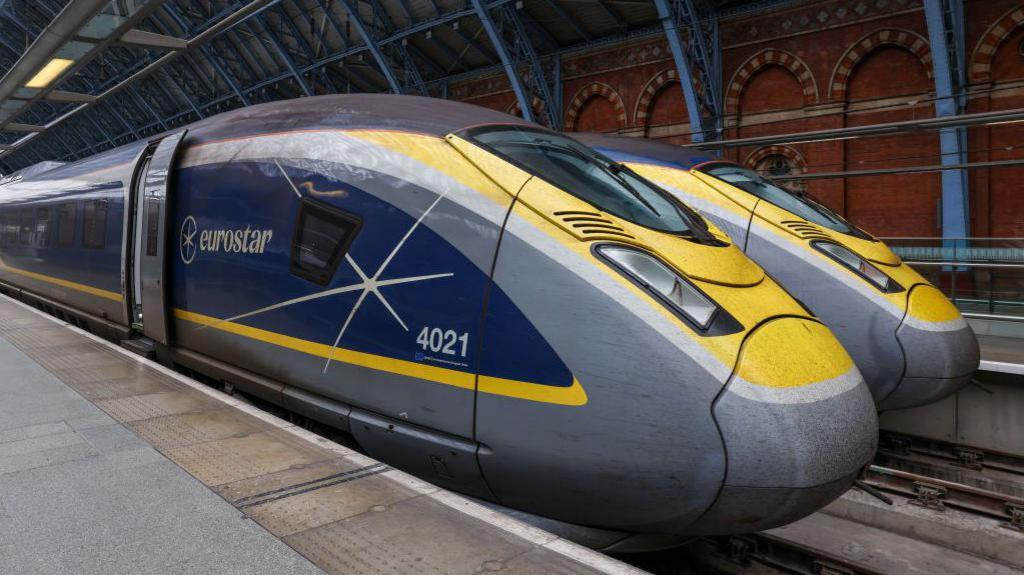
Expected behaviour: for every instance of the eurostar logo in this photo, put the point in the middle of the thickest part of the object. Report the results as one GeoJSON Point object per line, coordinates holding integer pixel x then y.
{"type": "Point", "coordinates": [240, 240]}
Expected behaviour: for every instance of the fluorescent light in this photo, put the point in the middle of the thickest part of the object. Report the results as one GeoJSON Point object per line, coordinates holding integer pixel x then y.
{"type": "Point", "coordinates": [49, 73]}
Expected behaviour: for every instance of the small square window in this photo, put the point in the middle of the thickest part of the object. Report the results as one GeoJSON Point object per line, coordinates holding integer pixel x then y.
{"type": "Point", "coordinates": [27, 223]}
{"type": "Point", "coordinates": [43, 227]}
{"type": "Point", "coordinates": [66, 224]}
{"type": "Point", "coordinates": [94, 224]}
{"type": "Point", "coordinates": [11, 228]}
{"type": "Point", "coordinates": [322, 236]}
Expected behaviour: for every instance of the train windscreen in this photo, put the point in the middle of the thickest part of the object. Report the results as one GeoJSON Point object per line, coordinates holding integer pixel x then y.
{"type": "Point", "coordinates": [800, 205]}
{"type": "Point", "coordinates": [590, 176]}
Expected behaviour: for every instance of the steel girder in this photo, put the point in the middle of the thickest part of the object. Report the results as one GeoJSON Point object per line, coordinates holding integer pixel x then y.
{"type": "Point", "coordinates": [697, 59]}
{"type": "Point", "coordinates": [509, 39]}
{"type": "Point", "coordinates": [398, 68]}
{"type": "Point", "coordinates": [945, 20]}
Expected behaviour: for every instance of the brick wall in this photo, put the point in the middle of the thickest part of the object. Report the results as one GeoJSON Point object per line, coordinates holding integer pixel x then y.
{"type": "Point", "coordinates": [817, 65]}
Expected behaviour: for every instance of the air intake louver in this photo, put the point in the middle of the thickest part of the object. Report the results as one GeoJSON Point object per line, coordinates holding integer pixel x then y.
{"type": "Point", "coordinates": [805, 230]}
{"type": "Point", "coordinates": [591, 225]}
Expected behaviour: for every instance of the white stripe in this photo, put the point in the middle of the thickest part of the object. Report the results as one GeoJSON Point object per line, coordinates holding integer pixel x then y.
{"type": "Point", "coordinates": [810, 393]}
{"type": "Point", "coordinates": [286, 177]}
{"type": "Point", "coordinates": [956, 324]}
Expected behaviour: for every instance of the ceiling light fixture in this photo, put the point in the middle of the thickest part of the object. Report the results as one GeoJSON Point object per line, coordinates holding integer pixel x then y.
{"type": "Point", "coordinates": [49, 73]}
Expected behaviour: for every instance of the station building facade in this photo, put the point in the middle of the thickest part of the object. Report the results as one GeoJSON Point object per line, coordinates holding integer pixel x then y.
{"type": "Point", "coordinates": [820, 65]}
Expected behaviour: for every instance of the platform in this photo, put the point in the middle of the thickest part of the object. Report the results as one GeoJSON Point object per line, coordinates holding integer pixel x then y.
{"type": "Point", "coordinates": [1002, 354]}
{"type": "Point", "coordinates": [111, 463]}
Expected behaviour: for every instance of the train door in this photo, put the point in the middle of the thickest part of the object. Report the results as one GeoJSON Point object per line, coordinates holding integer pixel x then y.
{"type": "Point", "coordinates": [146, 237]}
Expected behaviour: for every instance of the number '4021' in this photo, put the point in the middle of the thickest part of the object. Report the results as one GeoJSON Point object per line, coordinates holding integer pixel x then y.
{"type": "Point", "coordinates": [447, 341]}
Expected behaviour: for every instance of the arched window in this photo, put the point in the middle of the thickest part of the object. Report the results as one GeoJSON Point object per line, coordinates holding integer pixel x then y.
{"type": "Point", "coordinates": [774, 166]}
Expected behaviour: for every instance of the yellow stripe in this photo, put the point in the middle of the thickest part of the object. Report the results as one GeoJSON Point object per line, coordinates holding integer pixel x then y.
{"type": "Point", "coordinates": [63, 283]}
{"type": "Point", "coordinates": [573, 395]}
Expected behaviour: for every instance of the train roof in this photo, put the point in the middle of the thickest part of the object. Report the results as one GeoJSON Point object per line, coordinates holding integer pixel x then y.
{"type": "Point", "coordinates": [643, 150]}
{"type": "Point", "coordinates": [420, 114]}
{"type": "Point", "coordinates": [416, 114]}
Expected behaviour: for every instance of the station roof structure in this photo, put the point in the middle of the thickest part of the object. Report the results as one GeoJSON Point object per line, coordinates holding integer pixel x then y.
{"type": "Point", "coordinates": [81, 76]}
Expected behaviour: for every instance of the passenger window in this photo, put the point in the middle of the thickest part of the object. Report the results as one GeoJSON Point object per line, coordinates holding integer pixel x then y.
{"type": "Point", "coordinates": [66, 224]}
{"type": "Point", "coordinates": [43, 227]}
{"type": "Point", "coordinates": [94, 224]}
{"type": "Point", "coordinates": [322, 236]}
{"type": "Point", "coordinates": [11, 228]}
{"type": "Point", "coordinates": [25, 235]}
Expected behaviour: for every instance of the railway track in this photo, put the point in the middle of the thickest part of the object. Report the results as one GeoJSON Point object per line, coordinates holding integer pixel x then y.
{"type": "Point", "coordinates": [935, 474]}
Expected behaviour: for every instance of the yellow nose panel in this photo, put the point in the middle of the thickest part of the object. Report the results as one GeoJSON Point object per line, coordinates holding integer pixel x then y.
{"type": "Point", "coordinates": [792, 352]}
{"type": "Point", "coordinates": [927, 303]}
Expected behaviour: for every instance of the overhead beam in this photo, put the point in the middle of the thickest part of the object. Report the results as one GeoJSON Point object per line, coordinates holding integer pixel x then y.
{"type": "Point", "coordinates": [144, 39]}
{"type": "Point", "coordinates": [29, 128]}
{"type": "Point", "coordinates": [373, 46]}
{"type": "Point", "coordinates": [945, 21]}
{"type": "Point", "coordinates": [69, 97]}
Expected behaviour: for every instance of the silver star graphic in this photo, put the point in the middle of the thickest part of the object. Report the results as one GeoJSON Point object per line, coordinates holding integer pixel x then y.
{"type": "Point", "coordinates": [366, 286]}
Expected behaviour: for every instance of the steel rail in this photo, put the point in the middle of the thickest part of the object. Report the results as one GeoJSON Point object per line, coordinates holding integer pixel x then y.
{"type": "Point", "coordinates": [937, 493]}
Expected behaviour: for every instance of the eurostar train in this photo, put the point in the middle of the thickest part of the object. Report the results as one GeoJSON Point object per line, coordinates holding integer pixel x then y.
{"type": "Point", "coordinates": [477, 300]}
{"type": "Point", "coordinates": [909, 341]}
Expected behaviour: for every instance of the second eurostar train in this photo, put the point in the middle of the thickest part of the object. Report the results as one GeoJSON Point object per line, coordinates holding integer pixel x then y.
{"type": "Point", "coordinates": [907, 338]}
{"type": "Point", "coordinates": [477, 300]}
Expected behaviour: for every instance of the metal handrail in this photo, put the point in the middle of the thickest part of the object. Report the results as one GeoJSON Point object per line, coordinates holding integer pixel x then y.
{"type": "Point", "coordinates": [945, 263]}
{"type": "Point", "coordinates": [991, 316]}
{"type": "Point", "coordinates": [934, 238]}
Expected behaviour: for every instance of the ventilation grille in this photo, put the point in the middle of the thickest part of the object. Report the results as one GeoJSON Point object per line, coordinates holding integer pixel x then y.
{"type": "Point", "coordinates": [591, 225]}
{"type": "Point", "coordinates": [805, 229]}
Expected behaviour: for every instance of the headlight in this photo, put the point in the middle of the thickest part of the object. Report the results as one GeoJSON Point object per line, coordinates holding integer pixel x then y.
{"type": "Point", "coordinates": [648, 271]}
{"type": "Point", "coordinates": [859, 265]}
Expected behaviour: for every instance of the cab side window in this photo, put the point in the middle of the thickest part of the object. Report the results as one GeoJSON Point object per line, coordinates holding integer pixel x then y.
{"type": "Point", "coordinates": [94, 224]}
{"type": "Point", "coordinates": [66, 224]}
{"type": "Point", "coordinates": [322, 236]}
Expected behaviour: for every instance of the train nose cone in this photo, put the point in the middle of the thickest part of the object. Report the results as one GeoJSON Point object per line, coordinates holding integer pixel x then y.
{"type": "Point", "coordinates": [939, 347]}
{"type": "Point", "coordinates": [798, 423]}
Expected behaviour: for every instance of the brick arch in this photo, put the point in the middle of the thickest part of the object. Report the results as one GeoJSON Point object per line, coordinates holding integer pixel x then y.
{"type": "Point", "coordinates": [980, 69]}
{"type": "Point", "coordinates": [589, 92]}
{"type": "Point", "coordinates": [910, 41]}
{"type": "Point", "coordinates": [799, 163]}
{"type": "Point", "coordinates": [536, 104]}
{"type": "Point", "coordinates": [761, 60]}
{"type": "Point", "coordinates": [651, 89]}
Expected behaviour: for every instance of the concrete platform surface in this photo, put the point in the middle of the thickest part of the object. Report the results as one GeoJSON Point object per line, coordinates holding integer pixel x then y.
{"type": "Point", "coordinates": [110, 463]}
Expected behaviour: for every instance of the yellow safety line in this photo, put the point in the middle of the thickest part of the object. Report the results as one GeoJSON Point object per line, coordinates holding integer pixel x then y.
{"type": "Point", "coordinates": [574, 395]}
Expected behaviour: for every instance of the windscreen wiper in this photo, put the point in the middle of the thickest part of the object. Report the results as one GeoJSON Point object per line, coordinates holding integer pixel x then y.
{"type": "Point", "coordinates": [606, 169]}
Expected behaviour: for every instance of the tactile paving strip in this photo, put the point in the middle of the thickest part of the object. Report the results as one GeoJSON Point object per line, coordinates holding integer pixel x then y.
{"type": "Point", "coordinates": [343, 513]}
